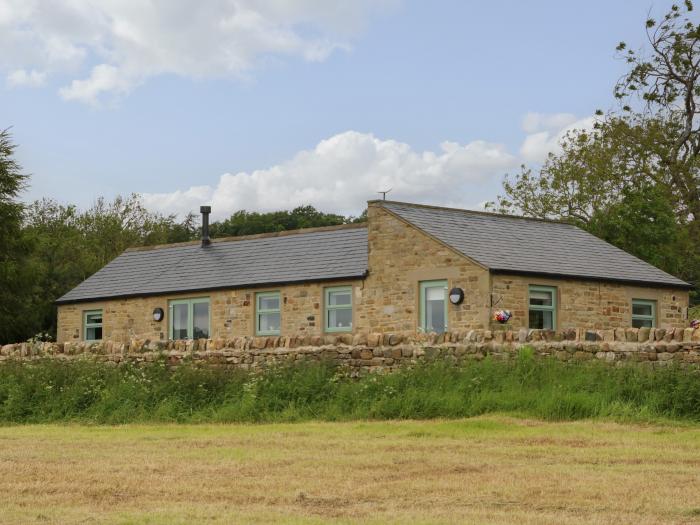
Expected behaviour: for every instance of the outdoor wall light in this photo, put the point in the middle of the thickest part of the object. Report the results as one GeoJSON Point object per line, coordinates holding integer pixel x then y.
{"type": "Point", "coordinates": [158, 314]}
{"type": "Point", "coordinates": [456, 295]}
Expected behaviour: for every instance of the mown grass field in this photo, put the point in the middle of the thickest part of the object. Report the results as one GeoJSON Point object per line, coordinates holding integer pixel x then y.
{"type": "Point", "coordinates": [490, 469]}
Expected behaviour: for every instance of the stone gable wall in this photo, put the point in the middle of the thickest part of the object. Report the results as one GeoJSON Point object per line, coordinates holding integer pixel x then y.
{"type": "Point", "coordinates": [382, 353]}
{"type": "Point", "coordinates": [400, 256]}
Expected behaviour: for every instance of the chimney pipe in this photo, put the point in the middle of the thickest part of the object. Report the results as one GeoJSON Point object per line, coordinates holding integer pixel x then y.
{"type": "Point", "coordinates": [205, 211]}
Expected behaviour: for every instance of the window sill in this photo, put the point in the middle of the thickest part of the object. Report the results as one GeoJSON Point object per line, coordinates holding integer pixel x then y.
{"type": "Point", "coordinates": [338, 330]}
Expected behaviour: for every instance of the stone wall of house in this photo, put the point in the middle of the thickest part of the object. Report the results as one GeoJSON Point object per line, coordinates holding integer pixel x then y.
{"type": "Point", "coordinates": [400, 257]}
{"type": "Point", "coordinates": [232, 312]}
{"type": "Point", "coordinates": [380, 353]}
{"type": "Point", "coordinates": [596, 304]}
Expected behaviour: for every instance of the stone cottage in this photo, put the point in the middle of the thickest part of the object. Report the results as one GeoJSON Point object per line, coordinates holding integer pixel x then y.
{"type": "Point", "coordinates": [410, 268]}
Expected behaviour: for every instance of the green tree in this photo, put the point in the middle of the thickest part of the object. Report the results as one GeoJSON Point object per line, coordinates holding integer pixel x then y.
{"type": "Point", "coordinates": [635, 178]}
{"type": "Point", "coordinates": [16, 282]}
{"type": "Point", "coordinates": [58, 256]}
{"type": "Point", "coordinates": [666, 80]}
{"type": "Point", "coordinates": [249, 223]}
{"type": "Point", "coordinates": [109, 228]}
{"type": "Point", "coordinates": [642, 222]}
{"type": "Point", "coordinates": [69, 245]}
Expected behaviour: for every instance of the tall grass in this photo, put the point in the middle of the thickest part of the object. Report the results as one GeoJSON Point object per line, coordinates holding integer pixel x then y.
{"type": "Point", "coordinates": [51, 391]}
{"type": "Point", "coordinates": [694, 312]}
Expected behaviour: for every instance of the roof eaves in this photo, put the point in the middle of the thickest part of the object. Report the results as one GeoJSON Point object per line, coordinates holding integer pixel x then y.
{"type": "Point", "coordinates": [652, 284]}
{"type": "Point", "coordinates": [61, 301]}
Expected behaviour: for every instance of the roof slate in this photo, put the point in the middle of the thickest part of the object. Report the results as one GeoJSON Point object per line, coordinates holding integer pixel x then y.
{"type": "Point", "coordinates": [305, 256]}
{"type": "Point", "coordinates": [504, 243]}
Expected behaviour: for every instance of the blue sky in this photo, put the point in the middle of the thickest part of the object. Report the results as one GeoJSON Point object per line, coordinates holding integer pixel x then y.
{"type": "Point", "coordinates": [298, 102]}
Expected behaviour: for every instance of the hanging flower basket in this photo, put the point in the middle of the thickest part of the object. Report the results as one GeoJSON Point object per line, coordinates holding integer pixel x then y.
{"type": "Point", "coordinates": [502, 316]}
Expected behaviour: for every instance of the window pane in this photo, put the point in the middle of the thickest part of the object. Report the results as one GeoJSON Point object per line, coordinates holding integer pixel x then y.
{"type": "Point", "coordinates": [536, 319]}
{"type": "Point", "coordinates": [540, 298]}
{"type": "Point", "coordinates": [435, 293]}
{"type": "Point", "coordinates": [340, 318]}
{"type": "Point", "coordinates": [94, 333]}
{"type": "Point", "coordinates": [435, 309]}
{"type": "Point", "coordinates": [269, 302]}
{"type": "Point", "coordinates": [180, 321]}
{"type": "Point", "coordinates": [642, 309]}
{"type": "Point", "coordinates": [434, 299]}
{"type": "Point", "coordinates": [340, 298]}
{"type": "Point", "coordinates": [435, 316]}
{"type": "Point", "coordinates": [541, 319]}
{"type": "Point", "coordinates": [269, 322]}
{"type": "Point", "coordinates": [549, 320]}
{"type": "Point", "coordinates": [201, 320]}
{"type": "Point", "coordinates": [639, 323]}
{"type": "Point", "coordinates": [95, 318]}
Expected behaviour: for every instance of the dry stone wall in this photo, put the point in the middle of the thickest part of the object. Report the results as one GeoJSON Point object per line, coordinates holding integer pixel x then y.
{"type": "Point", "coordinates": [377, 352]}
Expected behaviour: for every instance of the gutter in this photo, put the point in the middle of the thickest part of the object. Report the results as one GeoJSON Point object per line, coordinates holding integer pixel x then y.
{"type": "Point", "coordinates": [649, 284]}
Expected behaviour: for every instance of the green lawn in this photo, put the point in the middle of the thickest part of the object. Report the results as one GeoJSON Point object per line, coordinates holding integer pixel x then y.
{"type": "Point", "coordinates": [482, 470]}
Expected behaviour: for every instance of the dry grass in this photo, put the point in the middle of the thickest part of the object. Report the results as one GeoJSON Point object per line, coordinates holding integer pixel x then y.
{"type": "Point", "coordinates": [483, 470]}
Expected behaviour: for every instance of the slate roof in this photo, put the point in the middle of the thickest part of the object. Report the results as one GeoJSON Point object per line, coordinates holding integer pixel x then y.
{"type": "Point", "coordinates": [313, 255]}
{"type": "Point", "coordinates": [500, 243]}
{"type": "Point", "coordinates": [509, 244]}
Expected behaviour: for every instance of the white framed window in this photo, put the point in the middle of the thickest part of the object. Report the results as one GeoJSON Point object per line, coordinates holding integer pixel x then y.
{"type": "Point", "coordinates": [189, 318]}
{"type": "Point", "coordinates": [267, 313]}
{"type": "Point", "coordinates": [542, 302]}
{"type": "Point", "coordinates": [433, 306]}
{"type": "Point", "coordinates": [92, 325]}
{"type": "Point", "coordinates": [643, 313]}
{"type": "Point", "coordinates": [338, 303]}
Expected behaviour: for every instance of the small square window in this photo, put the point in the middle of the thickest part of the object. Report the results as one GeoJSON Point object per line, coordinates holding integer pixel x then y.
{"type": "Point", "coordinates": [433, 306]}
{"type": "Point", "coordinates": [542, 313]}
{"type": "Point", "coordinates": [267, 313]}
{"type": "Point", "coordinates": [643, 313]}
{"type": "Point", "coordinates": [339, 309]}
{"type": "Point", "coordinates": [92, 325]}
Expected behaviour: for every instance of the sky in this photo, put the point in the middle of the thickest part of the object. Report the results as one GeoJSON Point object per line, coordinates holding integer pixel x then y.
{"type": "Point", "coordinates": [271, 104]}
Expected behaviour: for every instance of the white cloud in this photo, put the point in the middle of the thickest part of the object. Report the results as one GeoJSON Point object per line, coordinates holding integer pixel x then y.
{"type": "Point", "coordinates": [103, 79]}
{"type": "Point", "coordinates": [546, 131]}
{"type": "Point", "coordinates": [344, 171]}
{"type": "Point", "coordinates": [534, 122]}
{"type": "Point", "coordinates": [122, 43]}
{"type": "Point", "coordinates": [24, 78]}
